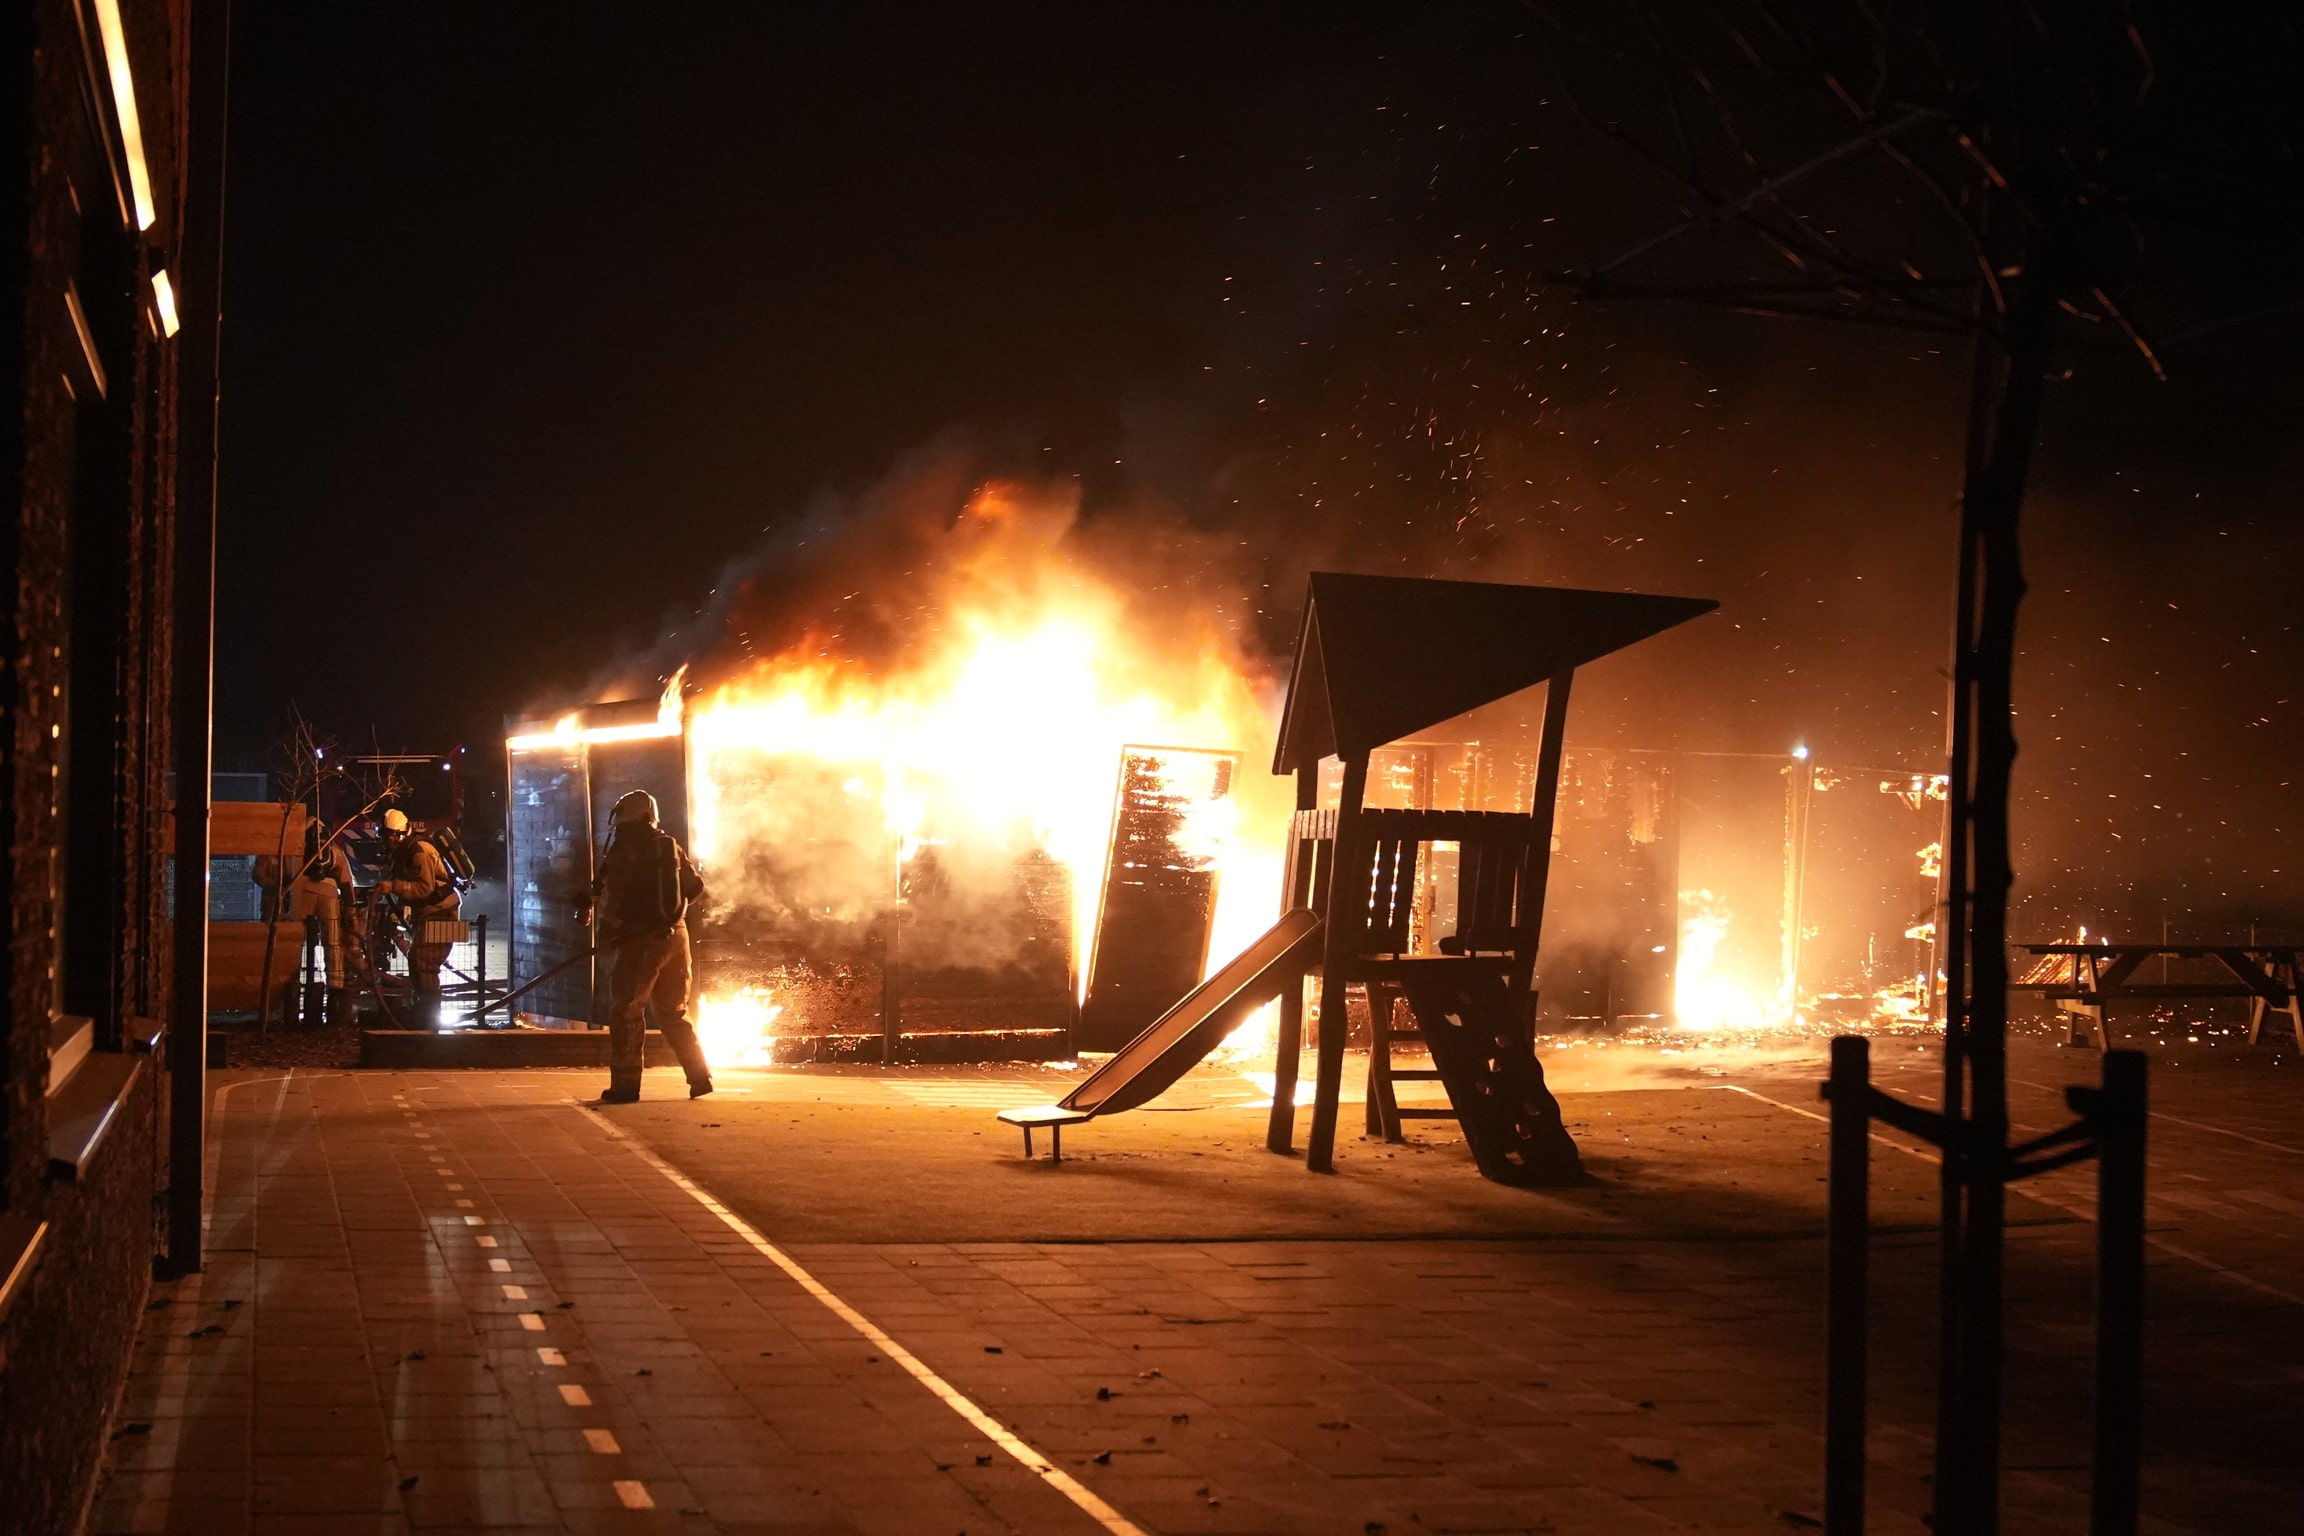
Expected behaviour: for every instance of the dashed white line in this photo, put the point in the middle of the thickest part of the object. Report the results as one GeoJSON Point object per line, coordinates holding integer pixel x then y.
{"type": "Point", "coordinates": [952, 1397]}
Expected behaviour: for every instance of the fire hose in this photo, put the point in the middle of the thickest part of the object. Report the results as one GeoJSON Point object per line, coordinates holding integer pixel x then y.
{"type": "Point", "coordinates": [534, 982]}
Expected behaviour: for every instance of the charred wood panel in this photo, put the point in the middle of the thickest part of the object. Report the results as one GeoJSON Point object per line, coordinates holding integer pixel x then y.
{"type": "Point", "coordinates": [1159, 901]}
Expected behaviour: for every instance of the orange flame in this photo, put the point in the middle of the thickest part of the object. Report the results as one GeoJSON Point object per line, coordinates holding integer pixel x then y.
{"type": "Point", "coordinates": [996, 726]}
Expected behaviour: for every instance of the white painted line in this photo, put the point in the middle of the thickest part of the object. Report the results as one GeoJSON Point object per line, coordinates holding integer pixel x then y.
{"type": "Point", "coordinates": [515, 1293]}
{"type": "Point", "coordinates": [991, 1428]}
{"type": "Point", "coordinates": [500, 1266]}
{"type": "Point", "coordinates": [551, 1356]}
{"type": "Point", "coordinates": [603, 1442]}
{"type": "Point", "coordinates": [485, 1242]}
{"type": "Point", "coordinates": [632, 1495]}
{"type": "Point", "coordinates": [1904, 1147]}
{"type": "Point", "coordinates": [532, 1321]}
{"type": "Point", "coordinates": [2053, 1202]}
{"type": "Point", "coordinates": [2201, 1125]}
{"type": "Point", "coordinates": [474, 1221]}
{"type": "Point", "coordinates": [2198, 1125]}
{"type": "Point", "coordinates": [574, 1396]}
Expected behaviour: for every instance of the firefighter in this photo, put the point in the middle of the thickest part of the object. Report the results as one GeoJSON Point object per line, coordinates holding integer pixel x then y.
{"type": "Point", "coordinates": [641, 895]}
{"type": "Point", "coordinates": [420, 882]}
{"type": "Point", "coordinates": [317, 897]}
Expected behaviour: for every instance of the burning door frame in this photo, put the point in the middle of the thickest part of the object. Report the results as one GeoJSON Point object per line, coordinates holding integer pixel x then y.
{"type": "Point", "coordinates": [568, 771]}
{"type": "Point", "coordinates": [1156, 913]}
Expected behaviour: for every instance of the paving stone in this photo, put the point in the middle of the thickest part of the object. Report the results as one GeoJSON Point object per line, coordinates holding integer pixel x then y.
{"type": "Point", "coordinates": [1449, 1375]}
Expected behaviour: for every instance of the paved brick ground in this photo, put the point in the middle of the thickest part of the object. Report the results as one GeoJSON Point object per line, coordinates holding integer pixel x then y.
{"type": "Point", "coordinates": [458, 1302]}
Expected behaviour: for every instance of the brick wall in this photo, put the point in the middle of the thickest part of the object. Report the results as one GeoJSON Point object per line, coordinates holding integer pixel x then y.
{"type": "Point", "coordinates": [86, 524]}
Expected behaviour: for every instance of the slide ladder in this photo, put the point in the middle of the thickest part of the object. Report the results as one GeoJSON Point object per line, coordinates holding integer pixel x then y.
{"type": "Point", "coordinates": [1510, 1119]}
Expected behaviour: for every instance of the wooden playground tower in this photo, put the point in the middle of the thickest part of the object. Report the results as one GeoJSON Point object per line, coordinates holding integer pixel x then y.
{"type": "Point", "coordinates": [1379, 658]}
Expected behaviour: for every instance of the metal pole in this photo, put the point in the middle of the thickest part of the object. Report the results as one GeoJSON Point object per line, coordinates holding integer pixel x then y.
{"type": "Point", "coordinates": [2120, 1135]}
{"type": "Point", "coordinates": [198, 351]}
{"type": "Point", "coordinates": [891, 986]}
{"type": "Point", "coordinates": [1848, 1239]}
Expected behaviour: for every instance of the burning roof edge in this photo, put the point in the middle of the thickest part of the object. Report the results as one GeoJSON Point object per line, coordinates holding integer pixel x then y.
{"type": "Point", "coordinates": [615, 720]}
{"type": "Point", "coordinates": [1382, 657]}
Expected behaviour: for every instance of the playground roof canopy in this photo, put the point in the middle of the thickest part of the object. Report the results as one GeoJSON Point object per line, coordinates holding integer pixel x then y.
{"type": "Point", "coordinates": [1383, 657]}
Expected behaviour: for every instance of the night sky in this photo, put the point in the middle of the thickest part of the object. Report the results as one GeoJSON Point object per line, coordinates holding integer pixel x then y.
{"type": "Point", "coordinates": [540, 317]}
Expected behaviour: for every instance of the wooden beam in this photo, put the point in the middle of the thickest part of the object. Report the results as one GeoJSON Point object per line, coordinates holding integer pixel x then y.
{"type": "Point", "coordinates": [1537, 869]}
{"type": "Point", "coordinates": [1288, 1047]}
{"type": "Point", "coordinates": [1346, 914]}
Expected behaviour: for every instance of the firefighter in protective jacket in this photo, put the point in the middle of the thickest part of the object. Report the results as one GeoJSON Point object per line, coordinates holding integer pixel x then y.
{"type": "Point", "coordinates": [641, 896]}
{"type": "Point", "coordinates": [419, 880]}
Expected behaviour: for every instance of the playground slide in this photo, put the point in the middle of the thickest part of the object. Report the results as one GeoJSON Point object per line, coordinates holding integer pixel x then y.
{"type": "Point", "coordinates": [1146, 1066]}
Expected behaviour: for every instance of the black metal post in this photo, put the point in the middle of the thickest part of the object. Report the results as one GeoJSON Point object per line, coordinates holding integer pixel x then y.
{"type": "Point", "coordinates": [1848, 1240]}
{"type": "Point", "coordinates": [198, 349]}
{"type": "Point", "coordinates": [891, 986]}
{"type": "Point", "coordinates": [2120, 1135]}
{"type": "Point", "coordinates": [480, 966]}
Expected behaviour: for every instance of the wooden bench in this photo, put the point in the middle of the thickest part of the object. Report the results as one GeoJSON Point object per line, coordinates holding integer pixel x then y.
{"type": "Point", "coordinates": [1054, 1116]}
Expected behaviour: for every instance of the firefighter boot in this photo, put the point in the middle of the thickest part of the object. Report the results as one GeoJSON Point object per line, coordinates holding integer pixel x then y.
{"type": "Point", "coordinates": [680, 1034]}
{"type": "Point", "coordinates": [623, 1088]}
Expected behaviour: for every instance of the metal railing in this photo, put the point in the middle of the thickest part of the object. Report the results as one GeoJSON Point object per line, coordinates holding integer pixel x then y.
{"type": "Point", "coordinates": [2110, 1129]}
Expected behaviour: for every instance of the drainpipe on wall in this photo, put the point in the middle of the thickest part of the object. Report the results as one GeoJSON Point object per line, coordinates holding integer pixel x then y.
{"type": "Point", "coordinates": [198, 349]}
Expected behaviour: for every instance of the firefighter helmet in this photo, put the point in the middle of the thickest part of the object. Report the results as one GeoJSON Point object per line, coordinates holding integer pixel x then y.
{"type": "Point", "coordinates": [639, 805]}
{"type": "Point", "coordinates": [395, 823]}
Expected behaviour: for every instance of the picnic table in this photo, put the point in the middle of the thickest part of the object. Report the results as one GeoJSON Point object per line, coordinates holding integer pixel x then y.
{"type": "Point", "coordinates": [2085, 979]}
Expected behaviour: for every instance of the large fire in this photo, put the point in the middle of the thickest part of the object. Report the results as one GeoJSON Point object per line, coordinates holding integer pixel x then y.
{"type": "Point", "coordinates": [964, 706]}
{"type": "Point", "coordinates": [994, 724]}
{"type": "Point", "coordinates": [1706, 995]}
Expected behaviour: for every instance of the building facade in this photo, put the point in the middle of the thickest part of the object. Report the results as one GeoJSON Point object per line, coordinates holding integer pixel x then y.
{"type": "Point", "coordinates": [95, 102]}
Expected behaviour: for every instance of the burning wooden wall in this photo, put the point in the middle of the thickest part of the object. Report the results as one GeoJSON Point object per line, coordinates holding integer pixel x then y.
{"type": "Point", "coordinates": [1159, 899]}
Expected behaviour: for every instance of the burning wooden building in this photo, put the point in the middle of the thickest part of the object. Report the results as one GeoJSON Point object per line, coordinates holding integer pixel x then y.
{"type": "Point", "coordinates": [874, 897]}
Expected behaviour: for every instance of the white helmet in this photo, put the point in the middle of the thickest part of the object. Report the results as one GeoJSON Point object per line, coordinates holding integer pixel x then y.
{"type": "Point", "coordinates": [395, 823]}
{"type": "Point", "coordinates": [639, 805]}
